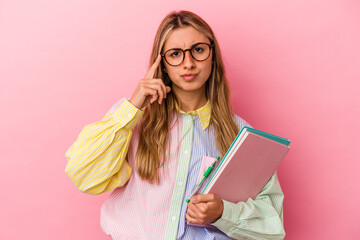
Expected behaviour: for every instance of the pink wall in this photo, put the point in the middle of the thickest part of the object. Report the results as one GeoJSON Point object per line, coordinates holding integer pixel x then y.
{"type": "Point", "coordinates": [294, 68]}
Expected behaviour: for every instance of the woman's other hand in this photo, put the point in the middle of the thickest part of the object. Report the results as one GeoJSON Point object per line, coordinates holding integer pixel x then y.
{"type": "Point", "coordinates": [150, 89]}
{"type": "Point", "coordinates": [204, 208]}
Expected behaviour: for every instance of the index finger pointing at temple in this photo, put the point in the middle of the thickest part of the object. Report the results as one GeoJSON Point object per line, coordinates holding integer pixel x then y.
{"type": "Point", "coordinates": [151, 72]}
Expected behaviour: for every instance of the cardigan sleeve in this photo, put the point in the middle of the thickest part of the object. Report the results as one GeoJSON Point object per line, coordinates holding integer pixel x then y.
{"type": "Point", "coordinates": [260, 219]}
{"type": "Point", "coordinates": [96, 160]}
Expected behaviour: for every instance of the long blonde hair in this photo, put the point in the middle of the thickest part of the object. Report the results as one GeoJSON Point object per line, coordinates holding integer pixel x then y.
{"type": "Point", "coordinates": [155, 123]}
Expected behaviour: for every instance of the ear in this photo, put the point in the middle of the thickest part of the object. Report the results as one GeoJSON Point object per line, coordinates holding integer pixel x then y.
{"type": "Point", "coordinates": [165, 77]}
{"type": "Point", "coordinates": [163, 69]}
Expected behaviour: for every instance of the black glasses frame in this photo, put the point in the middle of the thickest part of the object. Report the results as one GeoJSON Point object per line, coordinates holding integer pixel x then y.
{"type": "Point", "coordinates": [211, 46]}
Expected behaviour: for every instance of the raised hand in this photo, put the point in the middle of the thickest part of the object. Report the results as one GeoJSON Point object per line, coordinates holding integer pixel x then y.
{"type": "Point", "coordinates": [150, 89]}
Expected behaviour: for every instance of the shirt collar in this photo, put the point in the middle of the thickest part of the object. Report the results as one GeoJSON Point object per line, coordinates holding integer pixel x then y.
{"type": "Point", "coordinates": [204, 114]}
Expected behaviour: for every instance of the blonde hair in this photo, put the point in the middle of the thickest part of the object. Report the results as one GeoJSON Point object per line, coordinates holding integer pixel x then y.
{"type": "Point", "coordinates": [155, 123]}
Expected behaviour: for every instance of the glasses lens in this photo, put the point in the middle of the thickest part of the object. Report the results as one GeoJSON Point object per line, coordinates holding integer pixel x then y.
{"type": "Point", "coordinates": [201, 51]}
{"type": "Point", "coordinates": [174, 56]}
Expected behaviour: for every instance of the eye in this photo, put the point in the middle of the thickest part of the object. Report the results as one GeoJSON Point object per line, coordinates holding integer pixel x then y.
{"type": "Point", "coordinates": [198, 49]}
{"type": "Point", "coordinates": [174, 54]}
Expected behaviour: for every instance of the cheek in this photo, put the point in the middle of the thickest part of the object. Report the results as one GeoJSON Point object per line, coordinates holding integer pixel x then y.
{"type": "Point", "coordinates": [170, 71]}
{"type": "Point", "coordinates": [173, 74]}
{"type": "Point", "coordinates": [207, 70]}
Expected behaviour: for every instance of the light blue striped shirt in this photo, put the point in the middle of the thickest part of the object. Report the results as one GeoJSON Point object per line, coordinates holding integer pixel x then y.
{"type": "Point", "coordinates": [204, 144]}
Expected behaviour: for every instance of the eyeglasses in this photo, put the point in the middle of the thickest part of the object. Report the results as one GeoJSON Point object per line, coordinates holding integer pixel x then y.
{"type": "Point", "coordinates": [199, 51]}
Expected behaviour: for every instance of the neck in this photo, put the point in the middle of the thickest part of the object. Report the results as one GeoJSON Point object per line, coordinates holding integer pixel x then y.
{"type": "Point", "coordinates": [190, 101]}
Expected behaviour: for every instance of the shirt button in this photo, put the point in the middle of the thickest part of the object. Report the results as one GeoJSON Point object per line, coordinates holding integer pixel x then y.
{"type": "Point", "coordinates": [186, 152]}
{"type": "Point", "coordinates": [173, 218]}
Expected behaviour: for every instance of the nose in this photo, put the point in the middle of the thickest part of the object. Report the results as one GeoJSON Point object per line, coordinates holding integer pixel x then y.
{"type": "Point", "coordinates": [189, 61]}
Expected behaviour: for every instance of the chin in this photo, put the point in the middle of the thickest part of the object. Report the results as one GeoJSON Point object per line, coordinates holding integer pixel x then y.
{"type": "Point", "coordinates": [192, 87]}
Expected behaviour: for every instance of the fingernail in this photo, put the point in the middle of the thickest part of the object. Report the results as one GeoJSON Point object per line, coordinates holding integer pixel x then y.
{"type": "Point", "coordinates": [192, 200]}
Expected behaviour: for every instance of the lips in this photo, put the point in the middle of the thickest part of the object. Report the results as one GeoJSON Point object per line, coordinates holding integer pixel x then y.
{"type": "Point", "coordinates": [189, 76]}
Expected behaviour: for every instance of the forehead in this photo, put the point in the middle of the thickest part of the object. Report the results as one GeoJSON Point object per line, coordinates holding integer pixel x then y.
{"type": "Point", "coordinates": [184, 38]}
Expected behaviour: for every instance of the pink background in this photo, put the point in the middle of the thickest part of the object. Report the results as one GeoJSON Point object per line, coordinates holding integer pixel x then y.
{"type": "Point", "coordinates": [294, 70]}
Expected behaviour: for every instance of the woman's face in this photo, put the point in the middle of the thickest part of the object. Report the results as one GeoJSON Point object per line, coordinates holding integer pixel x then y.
{"type": "Point", "coordinates": [184, 38]}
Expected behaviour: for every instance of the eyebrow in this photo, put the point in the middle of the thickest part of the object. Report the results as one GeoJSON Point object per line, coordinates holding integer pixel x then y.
{"type": "Point", "coordinates": [187, 48]}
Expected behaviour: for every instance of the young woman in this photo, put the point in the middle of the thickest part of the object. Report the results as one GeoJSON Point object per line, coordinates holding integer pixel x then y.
{"type": "Point", "coordinates": [150, 148]}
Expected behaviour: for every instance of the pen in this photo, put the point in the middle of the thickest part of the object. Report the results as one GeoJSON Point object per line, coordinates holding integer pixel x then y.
{"type": "Point", "coordinates": [206, 174]}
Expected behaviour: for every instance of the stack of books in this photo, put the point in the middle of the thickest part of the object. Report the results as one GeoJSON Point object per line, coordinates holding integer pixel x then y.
{"type": "Point", "coordinates": [247, 166]}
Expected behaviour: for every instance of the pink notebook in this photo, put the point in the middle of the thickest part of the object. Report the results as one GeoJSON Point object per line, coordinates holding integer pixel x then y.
{"type": "Point", "coordinates": [248, 168]}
